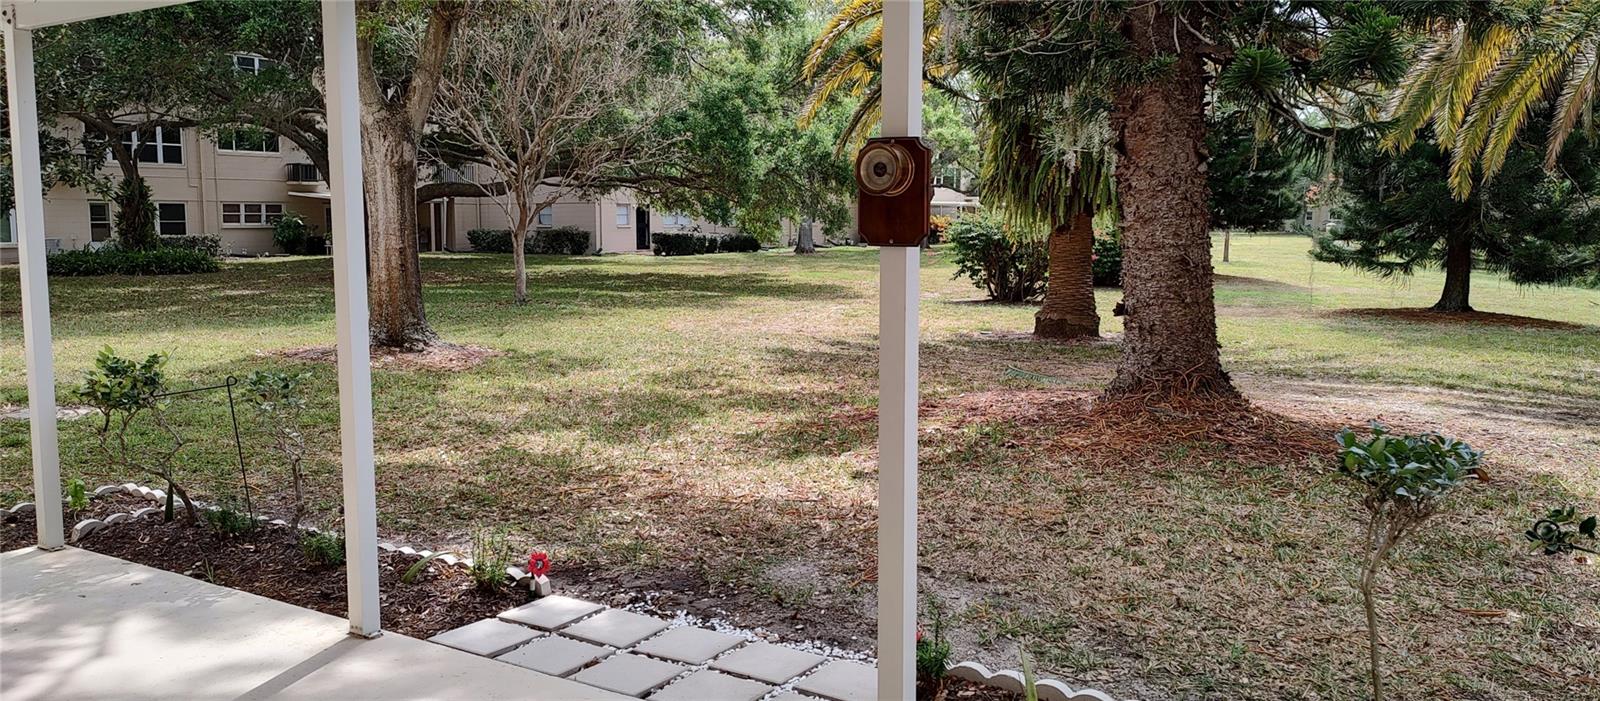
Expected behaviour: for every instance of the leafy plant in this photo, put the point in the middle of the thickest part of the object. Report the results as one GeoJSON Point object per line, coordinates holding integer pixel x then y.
{"type": "Point", "coordinates": [933, 657]}
{"type": "Point", "coordinates": [230, 521]}
{"type": "Point", "coordinates": [416, 568]}
{"type": "Point", "coordinates": [323, 548]}
{"type": "Point", "coordinates": [209, 244]}
{"type": "Point", "coordinates": [1106, 260]}
{"type": "Point", "coordinates": [279, 399]}
{"type": "Point", "coordinates": [560, 241]}
{"type": "Point", "coordinates": [1009, 268]}
{"type": "Point", "coordinates": [291, 233]}
{"type": "Point", "coordinates": [123, 390]}
{"type": "Point", "coordinates": [1558, 533]}
{"type": "Point", "coordinates": [492, 553]}
{"type": "Point", "coordinates": [77, 495]}
{"type": "Point", "coordinates": [490, 240]}
{"type": "Point", "coordinates": [1404, 479]}
{"type": "Point", "coordinates": [136, 216]}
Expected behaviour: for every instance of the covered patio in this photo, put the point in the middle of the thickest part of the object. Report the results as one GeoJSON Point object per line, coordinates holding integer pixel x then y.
{"type": "Point", "coordinates": [82, 625]}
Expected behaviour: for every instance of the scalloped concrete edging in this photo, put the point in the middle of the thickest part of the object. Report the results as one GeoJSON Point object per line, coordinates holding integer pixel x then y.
{"type": "Point", "coordinates": [518, 576]}
{"type": "Point", "coordinates": [1011, 680]}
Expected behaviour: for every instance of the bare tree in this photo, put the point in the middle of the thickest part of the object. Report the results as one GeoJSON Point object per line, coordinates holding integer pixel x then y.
{"type": "Point", "coordinates": [556, 97]}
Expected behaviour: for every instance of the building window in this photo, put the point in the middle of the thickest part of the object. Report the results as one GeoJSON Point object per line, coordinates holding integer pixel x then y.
{"type": "Point", "coordinates": [248, 139]}
{"type": "Point", "coordinates": [155, 145]}
{"type": "Point", "coordinates": [624, 215]}
{"type": "Point", "coordinates": [251, 63]}
{"type": "Point", "coordinates": [547, 217]}
{"type": "Point", "coordinates": [99, 221]}
{"type": "Point", "coordinates": [251, 213]}
{"type": "Point", "coordinates": [676, 220]}
{"type": "Point", "coordinates": [172, 219]}
{"type": "Point", "coordinates": [6, 236]}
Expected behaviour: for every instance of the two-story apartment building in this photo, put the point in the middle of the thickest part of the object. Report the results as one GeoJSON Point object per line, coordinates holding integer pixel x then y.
{"type": "Point", "coordinates": [239, 185]}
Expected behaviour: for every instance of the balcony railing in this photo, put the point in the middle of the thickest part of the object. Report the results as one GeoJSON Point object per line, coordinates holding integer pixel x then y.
{"type": "Point", "coordinates": [303, 173]}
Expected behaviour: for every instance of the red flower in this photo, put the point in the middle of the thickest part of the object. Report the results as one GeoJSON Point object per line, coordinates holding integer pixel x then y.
{"type": "Point", "coordinates": [919, 635]}
{"type": "Point", "coordinates": [538, 563]}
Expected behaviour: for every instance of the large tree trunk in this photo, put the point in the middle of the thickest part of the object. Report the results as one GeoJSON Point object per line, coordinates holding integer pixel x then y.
{"type": "Point", "coordinates": [804, 241]}
{"type": "Point", "coordinates": [394, 275]}
{"type": "Point", "coordinates": [1170, 344]}
{"type": "Point", "coordinates": [1068, 308]}
{"type": "Point", "coordinates": [1457, 275]}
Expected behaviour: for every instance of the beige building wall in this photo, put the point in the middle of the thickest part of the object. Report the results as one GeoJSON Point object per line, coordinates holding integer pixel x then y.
{"type": "Point", "coordinates": [207, 178]}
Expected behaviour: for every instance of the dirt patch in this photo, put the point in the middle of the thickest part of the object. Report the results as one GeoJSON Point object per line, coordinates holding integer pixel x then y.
{"type": "Point", "coordinates": [1423, 315]}
{"type": "Point", "coordinates": [448, 357]}
{"type": "Point", "coordinates": [269, 562]}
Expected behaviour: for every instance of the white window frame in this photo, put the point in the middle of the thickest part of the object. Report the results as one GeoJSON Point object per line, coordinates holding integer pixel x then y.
{"type": "Point", "coordinates": [233, 148]}
{"type": "Point", "coordinates": [624, 215]}
{"type": "Point", "coordinates": [161, 223]}
{"type": "Point", "coordinates": [108, 222]}
{"type": "Point", "coordinates": [252, 215]}
{"type": "Point", "coordinates": [546, 218]}
{"type": "Point", "coordinates": [677, 220]}
{"type": "Point", "coordinates": [257, 62]}
{"type": "Point", "coordinates": [133, 143]}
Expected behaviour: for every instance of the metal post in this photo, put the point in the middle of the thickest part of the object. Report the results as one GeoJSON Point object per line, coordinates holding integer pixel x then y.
{"type": "Point", "coordinates": [350, 313]}
{"type": "Point", "coordinates": [35, 285]}
{"type": "Point", "coordinates": [898, 290]}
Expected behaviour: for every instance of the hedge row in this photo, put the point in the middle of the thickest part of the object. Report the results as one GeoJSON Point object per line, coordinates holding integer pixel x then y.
{"type": "Point", "coordinates": [696, 244]}
{"type": "Point", "coordinates": [560, 241]}
{"type": "Point", "coordinates": [110, 260]}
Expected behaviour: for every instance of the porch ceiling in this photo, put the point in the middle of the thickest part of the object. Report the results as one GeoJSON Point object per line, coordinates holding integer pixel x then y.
{"type": "Point", "coordinates": [33, 14]}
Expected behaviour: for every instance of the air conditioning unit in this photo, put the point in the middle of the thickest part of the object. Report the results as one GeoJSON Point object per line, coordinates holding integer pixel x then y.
{"type": "Point", "coordinates": [52, 246]}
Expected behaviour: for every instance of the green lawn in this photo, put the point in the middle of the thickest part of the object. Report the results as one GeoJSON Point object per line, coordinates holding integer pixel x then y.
{"type": "Point", "coordinates": [710, 418]}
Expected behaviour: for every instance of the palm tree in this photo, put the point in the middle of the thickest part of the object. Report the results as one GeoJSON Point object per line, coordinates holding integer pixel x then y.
{"type": "Point", "coordinates": [1050, 170]}
{"type": "Point", "coordinates": [1025, 170]}
{"type": "Point", "coordinates": [839, 65]}
{"type": "Point", "coordinates": [1481, 77]}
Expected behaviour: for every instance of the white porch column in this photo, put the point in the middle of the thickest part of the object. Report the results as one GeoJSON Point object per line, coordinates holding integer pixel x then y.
{"type": "Point", "coordinates": [35, 286]}
{"type": "Point", "coordinates": [350, 313]}
{"type": "Point", "coordinates": [898, 295]}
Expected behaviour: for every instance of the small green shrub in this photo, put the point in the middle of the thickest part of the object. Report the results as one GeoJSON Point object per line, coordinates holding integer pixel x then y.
{"type": "Point", "coordinates": [692, 244]}
{"type": "Point", "coordinates": [114, 260]}
{"type": "Point", "coordinates": [933, 657]}
{"type": "Point", "coordinates": [492, 553]}
{"type": "Point", "coordinates": [323, 548]}
{"type": "Point", "coordinates": [123, 391]}
{"type": "Point", "coordinates": [1560, 531]}
{"type": "Point", "coordinates": [279, 399]}
{"type": "Point", "coordinates": [490, 240]}
{"type": "Point", "coordinates": [136, 216]}
{"type": "Point", "coordinates": [1404, 480]}
{"type": "Point", "coordinates": [209, 244]}
{"type": "Point", "coordinates": [1008, 268]}
{"type": "Point", "coordinates": [740, 243]}
{"type": "Point", "coordinates": [230, 521]}
{"type": "Point", "coordinates": [1107, 259]}
{"type": "Point", "coordinates": [290, 233]}
{"type": "Point", "coordinates": [560, 241]}
{"type": "Point", "coordinates": [77, 495]}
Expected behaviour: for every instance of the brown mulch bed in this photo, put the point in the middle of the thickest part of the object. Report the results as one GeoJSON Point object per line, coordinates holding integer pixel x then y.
{"type": "Point", "coordinates": [1430, 316]}
{"type": "Point", "coordinates": [449, 357]}
{"type": "Point", "coordinates": [269, 562]}
{"type": "Point", "coordinates": [21, 531]}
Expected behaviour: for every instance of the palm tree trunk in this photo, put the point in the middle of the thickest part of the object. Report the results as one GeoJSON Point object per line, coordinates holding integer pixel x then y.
{"type": "Point", "coordinates": [1068, 309]}
{"type": "Point", "coordinates": [1170, 342]}
{"type": "Point", "coordinates": [389, 159]}
{"type": "Point", "coordinates": [1457, 293]}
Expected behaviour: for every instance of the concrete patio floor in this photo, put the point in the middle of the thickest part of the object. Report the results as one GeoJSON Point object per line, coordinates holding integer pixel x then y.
{"type": "Point", "coordinates": [80, 625]}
